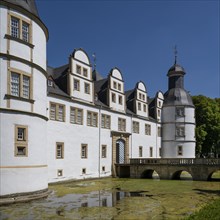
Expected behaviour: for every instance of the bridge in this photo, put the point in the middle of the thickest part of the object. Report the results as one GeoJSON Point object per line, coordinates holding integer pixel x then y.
{"type": "Point", "coordinates": [199, 168]}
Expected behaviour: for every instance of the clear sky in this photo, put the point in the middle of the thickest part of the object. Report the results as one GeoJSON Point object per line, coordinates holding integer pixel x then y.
{"type": "Point", "coordinates": [139, 37]}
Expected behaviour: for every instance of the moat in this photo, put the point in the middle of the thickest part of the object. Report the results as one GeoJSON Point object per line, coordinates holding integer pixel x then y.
{"type": "Point", "coordinates": [113, 198]}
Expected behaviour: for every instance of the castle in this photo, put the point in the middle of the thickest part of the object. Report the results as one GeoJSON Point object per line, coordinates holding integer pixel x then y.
{"type": "Point", "coordinates": [69, 122]}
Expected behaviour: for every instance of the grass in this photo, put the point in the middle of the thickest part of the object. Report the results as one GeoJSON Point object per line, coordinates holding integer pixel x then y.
{"type": "Point", "coordinates": [210, 211]}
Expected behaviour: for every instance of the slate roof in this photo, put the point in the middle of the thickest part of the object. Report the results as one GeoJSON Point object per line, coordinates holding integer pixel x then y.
{"type": "Point", "coordinates": [28, 5]}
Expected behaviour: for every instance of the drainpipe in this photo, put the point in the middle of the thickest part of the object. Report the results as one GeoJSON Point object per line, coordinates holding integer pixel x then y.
{"type": "Point", "coordinates": [100, 121]}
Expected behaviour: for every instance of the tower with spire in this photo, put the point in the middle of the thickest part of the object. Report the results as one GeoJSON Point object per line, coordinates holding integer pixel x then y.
{"type": "Point", "coordinates": [178, 121]}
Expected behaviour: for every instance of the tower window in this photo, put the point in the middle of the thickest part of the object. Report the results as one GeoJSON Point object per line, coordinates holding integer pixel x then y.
{"type": "Point", "coordinates": [120, 100]}
{"type": "Point", "coordinates": [15, 27]}
{"type": "Point", "coordinates": [78, 69]}
{"type": "Point", "coordinates": [180, 111]}
{"type": "Point", "coordinates": [140, 151]}
{"type": "Point", "coordinates": [20, 85]}
{"type": "Point", "coordinates": [180, 150]}
{"type": "Point", "coordinates": [113, 97]}
{"type": "Point", "coordinates": [180, 131]}
{"type": "Point", "coordinates": [139, 106]}
{"type": "Point", "coordinates": [85, 72]}
{"type": "Point", "coordinates": [21, 140]}
{"type": "Point", "coordinates": [25, 31]}
{"type": "Point", "coordinates": [59, 150]}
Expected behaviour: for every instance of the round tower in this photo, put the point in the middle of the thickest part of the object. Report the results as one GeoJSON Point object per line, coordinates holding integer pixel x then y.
{"type": "Point", "coordinates": [23, 99]}
{"type": "Point", "coordinates": [178, 121]}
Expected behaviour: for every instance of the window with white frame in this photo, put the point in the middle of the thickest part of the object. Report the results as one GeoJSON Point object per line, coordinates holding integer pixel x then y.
{"type": "Point", "coordinates": [59, 150]}
{"type": "Point", "coordinates": [135, 127]}
{"type": "Point", "coordinates": [145, 108]}
{"type": "Point", "coordinates": [92, 119]}
{"type": "Point", "coordinates": [121, 124]}
{"type": "Point", "coordinates": [78, 69]}
{"type": "Point", "coordinates": [140, 151]}
{"type": "Point", "coordinates": [113, 97]}
{"type": "Point", "coordinates": [21, 140]}
{"type": "Point", "coordinates": [180, 131]}
{"type": "Point", "coordinates": [57, 112]}
{"type": "Point", "coordinates": [120, 100]}
{"type": "Point", "coordinates": [119, 86]}
{"type": "Point", "coordinates": [106, 121]}
{"type": "Point", "coordinates": [139, 106]}
{"type": "Point", "coordinates": [76, 116]}
{"type": "Point", "coordinates": [159, 132]}
{"type": "Point", "coordinates": [76, 84]}
{"type": "Point", "coordinates": [85, 72]}
{"type": "Point", "coordinates": [114, 85]}
{"type": "Point", "coordinates": [147, 129]}
{"type": "Point", "coordinates": [87, 88]}
{"type": "Point", "coordinates": [104, 151]}
{"type": "Point", "coordinates": [84, 151]}
{"type": "Point", "coordinates": [20, 85]}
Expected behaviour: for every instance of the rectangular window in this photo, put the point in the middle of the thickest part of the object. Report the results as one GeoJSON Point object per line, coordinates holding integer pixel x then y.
{"type": "Point", "coordinates": [15, 32]}
{"type": "Point", "coordinates": [59, 150]}
{"type": "Point", "coordinates": [113, 97]}
{"type": "Point", "coordinates": [158, 113]}
{"type": "Point", "coordinates": [151, 151]}
{"type": "Point", "coordinates": [104, 151]}
{"type": "Point", "coordinates": [143, 97]}
{"type": "Point", "coordinates": [140, 151]}
{"type": "Point", "coordinates": [180, 151]}
{"type": "Point", "coordinates": [20, 85]}
{"type": "Point", "coordinates": [87, 88]}
{"type": "Point", "coordinates": [59, 173]}
{"type": "Point", "coordinates": [121, 124]}
{"type": "Point", "coordinates": [119, 86]}
{"type": "Point", "coordinates": [135, 127]}
{"type": "Point", "coordinates": [114, 85]}
{"type": "Point", "coordinates": [160, 152]}
{"type": "Point", "coordinates": [147, 129]}
{"type": "Point", "coordinates": [180, 111]}
{"type": "Point", "coordinates": [92, 119]}
{"type": "Point", "coordinates": [145, 108]}
{"type": "Point", "coordinates": [21, 140]}
{"type": "Point", "coordinates": [76, 116]}
{"type": "Point", "coordinates": [180, 131]}
{"type": "Point", "coordinates": [84, 150]}
{"type": "Point", "coordinates": [159, 132]}
{"type": "Point", "coordinates": [84, 172]}
{"type": "Point", "coordinates": [78, 69]}
{"type": "Point", "coordinates": [76, 85]}
{"type": "Point", "coordinates": [139, 106]}
{"type": "Point", "coordinates": [85, 72]}
{"type": "Point", "coordinates": [57, 112]}
{"type": "Point", "coordinates": [120, 100]}
{"type": "Point", "coordinates": [25, 31]}
{"type": "Point", "coordinates": [139, 95]}
{"type": "Point", "coordinates": [20, 28]}
{"type": "Point", "coordinates": [106, 121]}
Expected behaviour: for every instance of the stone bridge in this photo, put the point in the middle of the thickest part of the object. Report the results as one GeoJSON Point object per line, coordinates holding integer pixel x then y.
{"type": "Point", "coordinates": [200, 169]}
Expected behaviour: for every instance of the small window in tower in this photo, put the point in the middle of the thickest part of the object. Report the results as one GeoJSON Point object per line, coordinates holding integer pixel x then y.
{"type": "Point", "coordinates": [180, 111]}
{"type": "Point", "coordinates": [85, 72]}
{"type": "Point", "coordinates": [180, 151]}
{"type": "Point", "coordinates": [59, 173]}
{"type": "Point", "coordinates": [120, 100]}
{"type": "Point", "coordinates": [139, 106]}
{"type": "Point", "coordinates": [119, 86]}
{"type": "Point", "coordinates": [114, 85]}
{"type": "Point", "coordinates": [113, 97]}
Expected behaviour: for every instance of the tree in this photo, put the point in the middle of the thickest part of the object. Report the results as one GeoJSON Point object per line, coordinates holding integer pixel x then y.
{"type": "Point", "coordinates": [207, 132]}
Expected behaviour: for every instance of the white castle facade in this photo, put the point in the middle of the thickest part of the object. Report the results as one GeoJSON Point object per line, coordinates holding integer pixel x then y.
{"type": "Point", "coordinates": [69, 123]}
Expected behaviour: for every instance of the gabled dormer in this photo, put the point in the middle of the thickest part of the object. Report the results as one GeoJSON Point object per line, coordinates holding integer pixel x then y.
{"type": "Point", "coordinates": [116, 96]}
{"type": "Point", "coordinates": [137, 100]}
{"type": "Point", "coordinates": [156, 106]}
{"type": "Point", "coordinates": [80, 76]}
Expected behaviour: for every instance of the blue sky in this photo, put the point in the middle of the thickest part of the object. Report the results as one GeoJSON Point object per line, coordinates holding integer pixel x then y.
{"type": "Point", "coordinates": [139, 37]}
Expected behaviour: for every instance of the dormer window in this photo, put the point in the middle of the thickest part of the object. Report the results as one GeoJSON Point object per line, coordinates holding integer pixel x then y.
{"type": "Point", "coordinates": [120, 100]}
{"type": "Point", "coordinates": [85, 72]}
{"type": "Point", "coordinates": [119, 86]}
{"type": "Point", "coordinates": [139, 95]}
{"type": "Point", "coordinates": [50, 83]}
{"type": "Point", "coordinates": [139, 106]}
{"type": "Point", "coordinates": [113, 97]}
{"type": "Point", "coordinates": [78, 69]}
{"type": "Point", "coordinates": [114, 85]}
{"type": "Point", "coordinates": [143, 97]}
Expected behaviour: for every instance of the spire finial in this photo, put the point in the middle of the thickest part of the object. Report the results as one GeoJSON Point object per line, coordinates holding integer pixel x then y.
{"type": "Point", "coordinates": [94, 60]}
{"type": "Point", "coordinates": [175, 53]}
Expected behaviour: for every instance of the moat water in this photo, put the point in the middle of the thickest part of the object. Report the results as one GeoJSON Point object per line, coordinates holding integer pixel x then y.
{"type": "Point", "coordinates": [113, 198]}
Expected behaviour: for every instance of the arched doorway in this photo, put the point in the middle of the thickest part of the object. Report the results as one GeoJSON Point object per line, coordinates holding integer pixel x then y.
{"type": "Point", "coordinates": [120, 151]}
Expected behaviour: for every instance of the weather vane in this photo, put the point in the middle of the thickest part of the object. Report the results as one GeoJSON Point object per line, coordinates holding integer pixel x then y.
{"type": "Point", "coordinates": [94, 59]}
{"type": "Point", "coordinates": [175, 53]}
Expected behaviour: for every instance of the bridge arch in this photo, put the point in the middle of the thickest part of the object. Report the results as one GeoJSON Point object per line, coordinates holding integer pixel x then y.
{"type": "Point", "coordinates": [182, 175]}
{"type": "Point", "coordinates": [212, 176]}
{"type": "Point", "coordinates": [150, 174]}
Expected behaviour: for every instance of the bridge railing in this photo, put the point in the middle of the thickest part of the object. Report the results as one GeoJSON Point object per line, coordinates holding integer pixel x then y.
{"type": "Point", "coordinates": [176, 161]}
